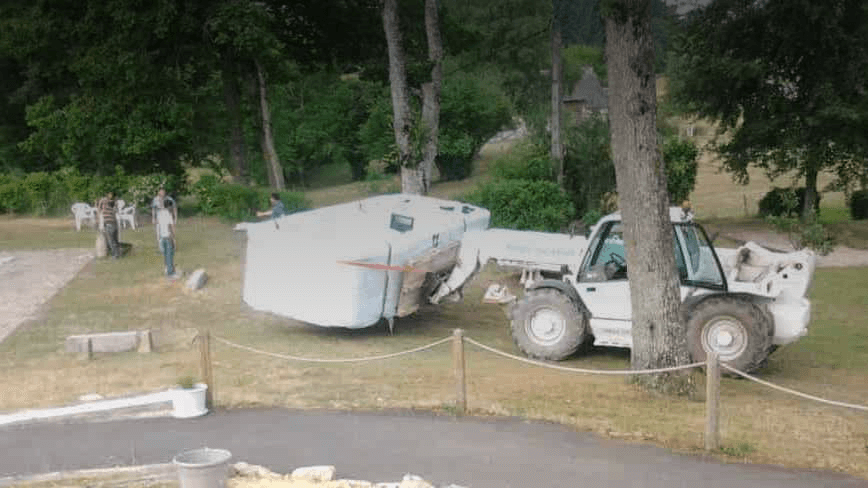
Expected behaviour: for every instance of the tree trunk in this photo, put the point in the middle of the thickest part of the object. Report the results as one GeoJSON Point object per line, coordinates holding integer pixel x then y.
{"type": "Point", "coordinates": [659, 336]}
{"type": "Point", "coordinates": [808, 210]}
{"type": "Point", "coordinates": [557, 97]}
{"type": "Point", "coordinates": [275, 170]}
{"type": "Point", "coordinates": [431, 92]}
{"type": "Point", "coordinates": [401, 123]}
{"type": "Point", "coordinates": [232, 98]}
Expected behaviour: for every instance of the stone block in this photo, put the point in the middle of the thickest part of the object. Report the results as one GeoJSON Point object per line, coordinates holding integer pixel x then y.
{"type": "Point", "coordinates": [197, 280]}
{"type": "Point", "coordinates": [106, 342]}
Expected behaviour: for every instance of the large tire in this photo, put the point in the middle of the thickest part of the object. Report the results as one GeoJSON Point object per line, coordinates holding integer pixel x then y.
{"type": "Point", "coordinates": [736, 328]}
{"type": "Point", "coordinates": [546, 324]}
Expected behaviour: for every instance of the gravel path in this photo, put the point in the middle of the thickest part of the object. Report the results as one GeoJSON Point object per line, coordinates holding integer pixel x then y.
{"type": "Point", "coordinates": [29, 278]}
{"type": "Point", "coordinates": [840, 257]}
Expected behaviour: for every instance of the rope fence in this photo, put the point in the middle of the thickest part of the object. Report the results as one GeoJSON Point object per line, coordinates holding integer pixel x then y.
{"type": "Point", "coordinates": [712, 366]}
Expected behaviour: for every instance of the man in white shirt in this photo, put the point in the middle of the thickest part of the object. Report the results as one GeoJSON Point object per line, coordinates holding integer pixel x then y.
{"type": "Point", "coordinates": [166, 236]}
{"type": "Point", "coordinates": [157, 204]}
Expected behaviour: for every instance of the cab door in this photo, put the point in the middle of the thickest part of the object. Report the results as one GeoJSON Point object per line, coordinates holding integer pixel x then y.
{"type": "Point", "coordinates": [602, 284]}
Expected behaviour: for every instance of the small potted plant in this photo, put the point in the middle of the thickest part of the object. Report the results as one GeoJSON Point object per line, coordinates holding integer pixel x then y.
{"type": "Point", "coordinates": [189, 398]}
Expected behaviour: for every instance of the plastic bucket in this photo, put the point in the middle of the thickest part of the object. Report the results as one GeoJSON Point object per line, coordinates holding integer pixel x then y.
{"type": "Point", "coordinates": [203, 468]}
{"type": "Point", "coordinates": [189, 402]}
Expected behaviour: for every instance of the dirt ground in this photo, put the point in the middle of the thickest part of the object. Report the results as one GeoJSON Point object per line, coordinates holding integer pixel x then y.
{"type": "Point", "coordinates": [29, 278]}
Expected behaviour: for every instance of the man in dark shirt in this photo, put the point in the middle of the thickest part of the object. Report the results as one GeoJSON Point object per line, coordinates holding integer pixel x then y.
{"type": "Point", "coordinates": [277, 208]}
{"type": "Point", "coordinates": [106, 209]}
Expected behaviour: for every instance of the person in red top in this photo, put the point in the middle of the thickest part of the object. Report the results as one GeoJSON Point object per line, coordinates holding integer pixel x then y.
{"type": "Point", "coordinates": [106, 209]}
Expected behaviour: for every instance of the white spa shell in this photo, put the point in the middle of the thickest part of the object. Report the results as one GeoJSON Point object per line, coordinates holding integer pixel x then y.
{"type": "Point", "coordinates": [293, 264]}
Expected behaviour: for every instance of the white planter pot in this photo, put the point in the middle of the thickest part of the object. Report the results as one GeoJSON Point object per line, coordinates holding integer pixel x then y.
{"type": "Point", "coordinates": [189, 402]}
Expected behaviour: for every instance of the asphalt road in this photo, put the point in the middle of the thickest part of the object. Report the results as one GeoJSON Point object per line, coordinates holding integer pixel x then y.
{"type": "Point", "coordinates": [474, 453]}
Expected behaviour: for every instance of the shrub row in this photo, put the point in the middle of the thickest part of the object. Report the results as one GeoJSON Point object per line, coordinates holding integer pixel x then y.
{"type": "Point", "coordinates": [785, 202]}
{"type": "Point", "coordinates": [238, 202]}
{"type": "Point", "coordinates": [859, 205]}
{"type": "Point", "coordinates": [43, 193]}
{"type": "Point", "coordinates": [524, 204]}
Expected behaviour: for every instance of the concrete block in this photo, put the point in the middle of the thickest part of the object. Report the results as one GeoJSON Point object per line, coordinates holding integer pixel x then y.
{"type": "Point", "coordinates": [145, 342]}
{"type": "Point", "coordinates": [197, 279]}
{"type": "Point", "coordinates": [106, 342]}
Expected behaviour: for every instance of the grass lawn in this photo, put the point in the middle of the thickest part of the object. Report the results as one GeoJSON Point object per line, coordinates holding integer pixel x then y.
{"type": "Point", "coordinates": [758, 424]}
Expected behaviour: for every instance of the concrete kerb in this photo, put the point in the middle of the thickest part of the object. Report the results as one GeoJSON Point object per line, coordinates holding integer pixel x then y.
{"type": "Point", "coordinates": [155, 472]}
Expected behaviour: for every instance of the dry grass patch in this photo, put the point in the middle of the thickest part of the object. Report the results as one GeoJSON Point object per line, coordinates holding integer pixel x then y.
{"type": "Point", "coordinates": [759, 425]}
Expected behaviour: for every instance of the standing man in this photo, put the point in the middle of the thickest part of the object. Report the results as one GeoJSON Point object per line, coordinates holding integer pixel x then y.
{"type": "Point", "coordinates": [166, 235]}
{"type": "Point", "coordinates": [277, 208]}
{"type": "Point", "coordinates": [106, 209]}
{"type": "Point", "coordinates": [157, 204]}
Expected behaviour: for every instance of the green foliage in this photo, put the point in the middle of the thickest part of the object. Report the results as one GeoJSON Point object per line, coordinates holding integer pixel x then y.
{"type": "Point", "coordinates": [187, 381]}
{"type": "Point", "coordinates": [858, 204]}
{"type": "Point", "coordinates": [576, 57]}
{"type": "Point", "coordinates": [589, 172]}
{"type": "Point", "coordinates": [811, 233]}
{"type": "Point", "coordinates": [524, 162]}
{"type": "Point", "coordinates": [787, 100]}
{"type": "Point", "coordinates": [238, 202]}
{"type": "Point", "coordinates": [524, 204]}
{"type": "Point", "coordinates": [680, 157]}
{"type": "Point", "coordinates": [785, 202]}
{"type": "Point", "coordinates": [140, 190]}
{"type": "Point", "coordinates": [473, 109]}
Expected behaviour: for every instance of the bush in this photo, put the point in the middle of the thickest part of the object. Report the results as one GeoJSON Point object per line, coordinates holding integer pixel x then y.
{"type": "Point", "coordinates": [238, 202]}
{"type": "Point", "coordinates": [141, 189]}
{"type": "Point", "coordinates": [455, 159]}
{"type": "Point", "coordinates": [859, 205]}
{"type": "Point", "coordinates": [524, 204]}
{"type": "Point", "coordinates": [589, 172]}
{"type": "Point", "coordinates": [525, 162]}
{"type": "Point", "coordinates": [785, 202]}
{"type": "Point", "coordinates": [681, 166]}
{"type": "Point", "coordinates": [13, 198]}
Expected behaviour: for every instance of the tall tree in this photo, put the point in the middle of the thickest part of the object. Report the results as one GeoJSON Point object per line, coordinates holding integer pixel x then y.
{"type": "Point", "coordinates": [412, 177]}
{"type": "Point", "coordinates": [786, 79]}
{"type": "Point", "coordinates": [431, 89]}
{"type": "Point", "coordinates": [659, 336]}
{"type": "Point", "coordinates": [557, 151]}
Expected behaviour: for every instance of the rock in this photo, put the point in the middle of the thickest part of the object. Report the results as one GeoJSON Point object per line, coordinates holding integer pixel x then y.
{"type": "Point", "coordinates": [349, 484]}
{"type": "Point", "coordinates": [387, 485]}
{"type": "Point", "coordinates": [6, 259]}
{"type": "Point", "coordinates": [314, 473]}
{"type": "Point", "coordinates": [246, 470]}
{"type": "Point", "coordinates": [197, 280]}
{"type": "Point", "coordinates": [90, 397]}
{"type": "Point", "coordinates": [413, 481]}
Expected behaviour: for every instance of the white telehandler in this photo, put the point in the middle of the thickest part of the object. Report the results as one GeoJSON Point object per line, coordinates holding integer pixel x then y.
{"type": "Point", "coordinates": [741, 303]}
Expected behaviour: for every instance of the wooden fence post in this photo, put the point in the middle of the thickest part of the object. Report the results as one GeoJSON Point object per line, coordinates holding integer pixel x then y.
{"type": "Point", "coordinates": [206, 368]}
{"type": "Point", "coordinates": [712, 402]}
{"type": "Point", "coordinates": [458, 362]}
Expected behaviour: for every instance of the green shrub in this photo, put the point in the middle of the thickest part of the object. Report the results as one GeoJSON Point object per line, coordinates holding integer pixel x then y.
{"type": "Point", "coordinates": [589, 172]}
{"type": "Point", "coordinates": [524, 204]}
{"type": "Point", "coordinates": [141, 189]}
{"type": "Point", "coordinates": [524, 162]}
{"type": "Point", "coordinates": [455, 159]}
{"type": "Point", "coordinates": [681, 166]}
{"type": "Point", "coordinates": [785, 202]}
{"type": "Point", "coordinates": [859, 205]}
{"type": "Point", "coordinates": [238, 202]}
{"type": "Point", "coordinates": [13, 198]}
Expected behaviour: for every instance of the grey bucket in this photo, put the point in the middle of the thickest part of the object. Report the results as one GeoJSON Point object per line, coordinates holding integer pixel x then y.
{"type": "Point", "coordinates": [203, 468]}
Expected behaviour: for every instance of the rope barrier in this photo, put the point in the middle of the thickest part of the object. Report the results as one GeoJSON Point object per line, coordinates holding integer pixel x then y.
{"type": "Point", "coordinates": [580, 370]}
{"type": "Point", "coordinates": [794, 392]}
{"type": "Point", "coordinates": [542, 364]}
{"type": "Point", "coordinates": [318, 360]}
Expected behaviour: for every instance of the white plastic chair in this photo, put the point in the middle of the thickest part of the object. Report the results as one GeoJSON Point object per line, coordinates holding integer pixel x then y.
{"type": "Point", "coordinates": [126, 214]}
{"type": "Point", "coordinates": [83, 213]}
